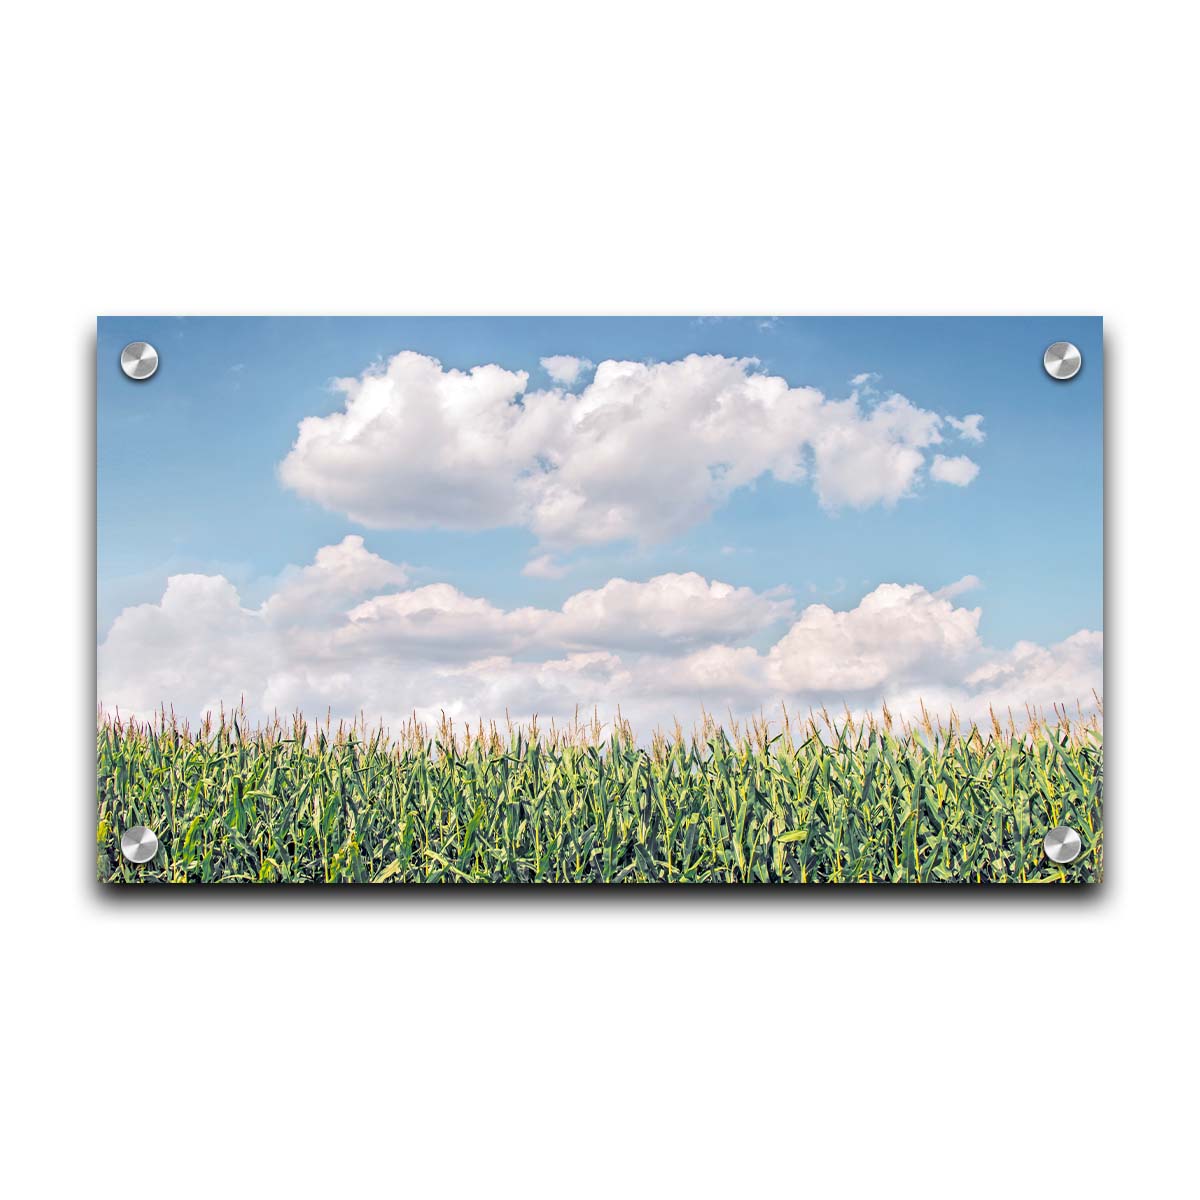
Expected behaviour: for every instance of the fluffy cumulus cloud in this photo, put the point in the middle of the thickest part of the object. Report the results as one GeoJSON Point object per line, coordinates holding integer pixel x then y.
{"type": "Point", "coordinates": [969, 427]}
{"type": "Point", "coordinates": [349, 634]}
{"type": "Point", "coordinates": [669, 611]}
{"type": "Point", "coordinates": [895, 637]}
{"type": "Point", "coordinates": [337, 574]}
{"type": "Point", "coordinates": [544, 566]}
{"type": "Point", "coordinates": [968, 583]}
{"type": "Point", "coordinates": [196, 649]}
{"type": "Point", "coordinates": [565, 368]}
{"type": "Point", "coordinates": [959, 471]}
{"type": "Point", "coordinates": [644, 451]}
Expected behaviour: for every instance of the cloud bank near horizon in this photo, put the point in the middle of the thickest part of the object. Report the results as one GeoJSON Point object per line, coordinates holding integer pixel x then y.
{"type": "Point", "coordinates": [349, 633]}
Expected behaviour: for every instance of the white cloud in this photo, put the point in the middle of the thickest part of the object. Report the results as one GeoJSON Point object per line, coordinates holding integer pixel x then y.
{"type": "Point", "coordinates": [872, 459]}
{"type": "Point", "coordinates": [565, 368]}
{"type": "Point", "coordinates": [545, 566]}
{"type": "Point", "coordinates": [669, 614]}
{"type": "Point", "coordinates": [895, 636]}
{"type": "Point", "coordinates": [338, 576]}
{"type": "Point", "coordinates": [959, 471]}
{"type": "Point", "coordinates": [968, 583]}
{"type": "Point", "coordinates": [669, 611]}
{"type": "Point", "coordinates": [969, 427]}
{"type": "Point", "coordinates": [657, 649]}
{"type": "Point", "coordinates": [417, 446]}
{"type": "Point", "coordinates": [194, 650]}
{"type": "Point", "coordinates": [436, 621]}
{"type": "Point", "coordinates": [1064, 672]}
{"type": "Point", "coordinates": [644, 452]}
{"type": "Point", "coordinates": [865, 377]}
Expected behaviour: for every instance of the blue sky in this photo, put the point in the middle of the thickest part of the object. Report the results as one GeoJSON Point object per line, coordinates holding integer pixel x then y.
{"type": "Point", "coordinates": [187, 462]}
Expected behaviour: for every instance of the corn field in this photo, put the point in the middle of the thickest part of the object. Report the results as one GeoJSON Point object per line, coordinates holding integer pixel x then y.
{"type": "Point", "coordinates": [826, 802]}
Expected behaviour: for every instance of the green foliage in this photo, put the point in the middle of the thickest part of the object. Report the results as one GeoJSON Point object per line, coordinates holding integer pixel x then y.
{"type": "Point", "coordinates": [837, 804]}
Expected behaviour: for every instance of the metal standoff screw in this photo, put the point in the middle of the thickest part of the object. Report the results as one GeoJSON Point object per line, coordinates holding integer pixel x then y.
{"type": "Point", "coordinates": [1062, 360]}
{"type": "Point", "coordinates": [1062, 844]}
{"type": "Point", "coordinates": [139, 844]}
{"type": "Point", "coordinates": [139, 360]}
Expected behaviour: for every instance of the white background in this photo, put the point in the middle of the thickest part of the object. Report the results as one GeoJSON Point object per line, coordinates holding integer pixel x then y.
{"type": "Point", "coordinates": [510, 158]}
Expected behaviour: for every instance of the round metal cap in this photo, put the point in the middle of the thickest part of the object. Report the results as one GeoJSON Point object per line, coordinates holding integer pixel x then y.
{"type": "Point", "coordinates": [139, 360]}
{"type": "Point", "coordinates": [1062, 360]}
{"type": "Point", "coordinates": [1062, 844]}
{"type": "Point", "coordinates": [139, 844]}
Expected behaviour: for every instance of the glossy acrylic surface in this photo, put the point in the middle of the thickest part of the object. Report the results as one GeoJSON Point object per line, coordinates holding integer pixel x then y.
{"type": "Point", "coordinates": [600, 599]}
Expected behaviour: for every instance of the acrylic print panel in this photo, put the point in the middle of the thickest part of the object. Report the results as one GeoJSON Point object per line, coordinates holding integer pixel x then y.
{"type": "Point", "coordinates": [583, 600]}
